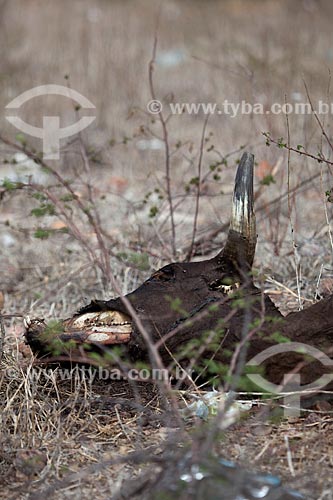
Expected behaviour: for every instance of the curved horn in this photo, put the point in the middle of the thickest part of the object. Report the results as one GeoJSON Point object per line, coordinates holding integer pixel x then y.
{"type": "Point", "coordinates": [241, 242]}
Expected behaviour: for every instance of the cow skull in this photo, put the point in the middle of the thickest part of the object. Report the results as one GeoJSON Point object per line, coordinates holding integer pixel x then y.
{"type": "Point", "coordinates": [194, 286]}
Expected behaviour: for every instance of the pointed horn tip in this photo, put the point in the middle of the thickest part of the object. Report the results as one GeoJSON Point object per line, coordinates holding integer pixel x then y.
{"type": "Point", "coordinates": [244, 178]}
{"type": "Point", "coordinates": [246, 161]}
{"type": "Point", "coordinates": [247, 156]}
{"type": "Point", "coordinates": [241, 241]}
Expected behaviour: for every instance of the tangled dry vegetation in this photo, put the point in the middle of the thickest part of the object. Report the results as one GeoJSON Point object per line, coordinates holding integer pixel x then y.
{"type": "Point", "coordinates": [103, 213]}
{"type": "Point", "coordinates": [74, 438]}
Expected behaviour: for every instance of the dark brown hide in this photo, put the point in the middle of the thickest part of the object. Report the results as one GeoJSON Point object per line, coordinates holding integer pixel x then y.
{"type": "Point", "coordinates": [175, 303]}
{"type": "Point", "coordinates": [198, 285]}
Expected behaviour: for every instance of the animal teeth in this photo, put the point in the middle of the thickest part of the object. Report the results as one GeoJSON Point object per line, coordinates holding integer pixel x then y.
{"type": "Point", "coordinates": [110, 319]}
{"type": "Point", "coordinates": [98, 323]}
{"type": "Point", "coordinates": [112, 328]}
{"type": "Point", "coordinates": [84, 318]}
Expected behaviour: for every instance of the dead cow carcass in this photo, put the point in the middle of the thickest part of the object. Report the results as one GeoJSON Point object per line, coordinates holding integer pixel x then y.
{"type": "Point", "coordinates": [214, 300]}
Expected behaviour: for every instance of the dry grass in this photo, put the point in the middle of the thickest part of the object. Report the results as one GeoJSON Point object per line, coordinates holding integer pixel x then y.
{"type": "Point", "coordinates": [64, 437]}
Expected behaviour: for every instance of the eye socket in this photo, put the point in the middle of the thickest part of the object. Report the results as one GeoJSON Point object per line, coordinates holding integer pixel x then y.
{"type": "Point", "coordinates": [164, 274]}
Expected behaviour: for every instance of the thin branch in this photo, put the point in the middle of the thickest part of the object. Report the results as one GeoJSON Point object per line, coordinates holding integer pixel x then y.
{"type": "Point", "coordinates": [2, 336]}
{"type": "Point", "coordinates": [97, 225]}
{"type": "Point", "coordinates": [197, 201]}
{"type": "Point", "coordinates": [319, 123]}
{"type": "Point", "coordinates": [329, 230]}
{"type": "Point", "coordinates": [296, 256]}
{"type": "Point", "coordinates": [319, 159]}
{"type": "Point", "coordinates": [167, 150]}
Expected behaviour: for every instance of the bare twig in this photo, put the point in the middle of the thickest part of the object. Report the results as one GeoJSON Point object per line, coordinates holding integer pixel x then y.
{"type": "Point", "coordinates": [167, 150]}
{"type": "Point", "coordinates": [296, 255]}
{"type": "Point", "coordinates": [197, 201]}
{"type": "Point", "coordinates": [321, 126]}
{"type": "Point", "coordinates": [329, 229]}
{"type": "Point", "coordinates": [2, 335]}
{"type": "Point", "coordinates": [97, 225]}
{"type": "Point", "coordinates": [154, 354]}
{"type": "Point", "coordinates": [289, 456]}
